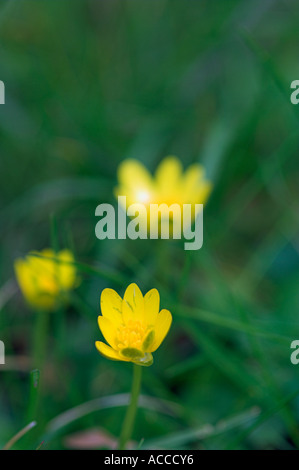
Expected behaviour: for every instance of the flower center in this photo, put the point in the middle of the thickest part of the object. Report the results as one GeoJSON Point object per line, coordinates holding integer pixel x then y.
{"type": "Point", "coordinates": [131, 335]}
{"type": "Point", "coordinates": [48, 285]}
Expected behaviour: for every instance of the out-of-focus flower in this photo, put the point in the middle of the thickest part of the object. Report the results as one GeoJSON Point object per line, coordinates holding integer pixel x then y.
{"type": "Point", "coordinates": [170, 184]}
{"type": "Point", "coordinates": [45, 277]}
{"type": "Point", "coordinates": [133, 326]}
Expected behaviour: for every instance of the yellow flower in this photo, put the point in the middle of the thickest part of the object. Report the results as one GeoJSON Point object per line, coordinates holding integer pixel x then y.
{"type": "Point", "coordinates": [169, 185]}
{"type": "Point", "coordinates": [133, 326]}
{"type": "Point", "coordinates": [45, 277]}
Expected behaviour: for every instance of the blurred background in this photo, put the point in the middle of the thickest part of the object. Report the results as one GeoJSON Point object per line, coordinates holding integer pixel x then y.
{"type": "Point", "coordinates": [88, 84]}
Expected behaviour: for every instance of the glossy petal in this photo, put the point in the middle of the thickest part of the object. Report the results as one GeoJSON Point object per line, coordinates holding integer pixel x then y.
{"type": "Point", "coordinates": [133, 304]}
{"type": "Point", "coordinates": [108, 352]}
{"type": "Point", "coordinates": [111, 306]}
{"type": "Point", "coordinates": [151, 306]}
{"type": "Point", "coordinates": [161, 329]}
{"type": "Point", "coordinates": [108, 330]}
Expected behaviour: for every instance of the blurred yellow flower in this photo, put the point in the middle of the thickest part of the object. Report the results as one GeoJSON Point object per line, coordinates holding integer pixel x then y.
{"type": "Point", "coordinates": [133, 326]}
{"type": "Point", "coordinates": [45, 277]}
{"type": "Point", "coordinates": [170, 184]}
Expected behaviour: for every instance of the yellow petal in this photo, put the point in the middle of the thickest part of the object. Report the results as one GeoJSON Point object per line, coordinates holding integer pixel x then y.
{"type": "Point", "coordinates": [67, 270]}
{"type": "Point", "coordinates": [46, 252]}
{"type": "Point", "coordinates": [135, 182]}
{"type": "Point", "coordinates": [29, 285]}
{"type": "Point", "coordinates": [203, 192]}
{"type": "Point", "coordinates": [108, 352]}
{"type": "Point", "coordinates": [161, 328]}
{"type": "Point", "coordinates": [133, 304]}
{"type": "Point", "coordinates": [168, 177]}
{"type": "Point", "coordinates": [24, 278]}
{"type": "Point", "coordinates": [108, 330]}
{"type": "Point", "coordinates": [42, 276]}
{"type": "Point", "coordinates": [151, 306]}
{"type": "Point", "coordinates": [133, 175]}
{"type": "Point", "coordinates": [44, 270]}
{"type": "Point", "coordinates": [193, 177]}
{"type": "Point", "coordinates": [111, 306]}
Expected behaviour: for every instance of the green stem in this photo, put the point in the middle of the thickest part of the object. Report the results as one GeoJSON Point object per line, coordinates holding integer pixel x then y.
{"type": "Point", "coordinates": [38, 359]}
{"type": "Point", "coordinates": [128, 424]}
{"type": "Point", "coordinates": [39, 348]}
{"type": "Point", "coordinates": [40, 339]}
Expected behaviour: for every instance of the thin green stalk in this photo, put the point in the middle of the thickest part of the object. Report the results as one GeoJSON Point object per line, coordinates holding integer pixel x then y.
{"type": "Point", "coordinates": [40, 339]}
{"type": "Point", "coordinates": [38, 359]}
{"type": "Point", "coordinates": [59, 320]}
{"type": "Point", "coordinates": [128, 424]}
{"type": "Point", "coordinates": [39, 348]}
{"type": "Point", "coordinates": [33, 394]}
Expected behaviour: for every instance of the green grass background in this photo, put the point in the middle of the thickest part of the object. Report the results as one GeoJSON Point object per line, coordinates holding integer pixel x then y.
{"type": "Point", "coordinates": [89, 83]}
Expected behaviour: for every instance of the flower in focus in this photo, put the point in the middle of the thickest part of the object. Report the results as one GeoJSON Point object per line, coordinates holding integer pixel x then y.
{"type": "Point", "coordinates": [45, 277]}
{"type": "Point", "coordinates": [133, 326]}
{"type": "Point", "coordinates": [170, 184]}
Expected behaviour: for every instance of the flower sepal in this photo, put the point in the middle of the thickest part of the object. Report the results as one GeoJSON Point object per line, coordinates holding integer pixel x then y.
{"type": "Point", "coordinates": [147, 360]}
{"type": "Point", "coordinates": [138, 357]}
